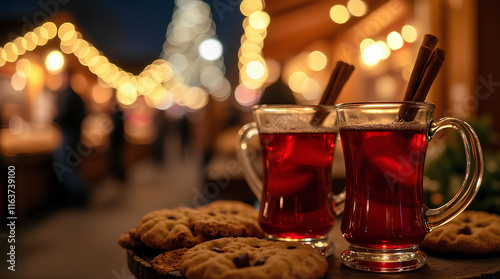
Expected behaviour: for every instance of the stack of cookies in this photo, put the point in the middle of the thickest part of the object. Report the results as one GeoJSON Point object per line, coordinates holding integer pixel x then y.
{"type": "Point", "coordinates": [472, 233]}
{"type": "Point", "coordinates": [220, 240]}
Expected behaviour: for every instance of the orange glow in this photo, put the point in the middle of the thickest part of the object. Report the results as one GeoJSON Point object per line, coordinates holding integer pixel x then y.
{"type": "Point", "coordinates": [101, 94]}
{"type": "Point", "coordinates": [79, 83]}
{"type": "Point", "coordinates": [54, 82]}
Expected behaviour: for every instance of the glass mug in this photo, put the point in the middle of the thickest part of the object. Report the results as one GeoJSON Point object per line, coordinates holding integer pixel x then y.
{"type": "Point", "coordinates": [385, 218]}
{"type": "Point", "coordinates": [297, 144]}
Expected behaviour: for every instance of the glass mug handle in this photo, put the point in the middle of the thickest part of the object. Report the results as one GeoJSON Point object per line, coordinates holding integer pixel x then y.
{"type": "Point", "coordinates": [435, 217]}
{"type": "Point", "coordinates": [250, 173]}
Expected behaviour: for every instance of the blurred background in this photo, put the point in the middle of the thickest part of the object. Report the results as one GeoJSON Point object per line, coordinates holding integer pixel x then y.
{"type": "Point", "coordinates": [110, 109]}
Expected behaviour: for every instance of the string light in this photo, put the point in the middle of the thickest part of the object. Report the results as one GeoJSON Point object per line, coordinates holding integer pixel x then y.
{"type": "Point", "coordinates": [159, 75]}
{"type": "Point", "coordinates": [253, 68]}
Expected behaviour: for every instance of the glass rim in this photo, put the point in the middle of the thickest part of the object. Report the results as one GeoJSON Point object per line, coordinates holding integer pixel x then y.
{"type": "Point", "coordinates": [380, 105]}
{"type": "Point", "coordinates": [285, 107]}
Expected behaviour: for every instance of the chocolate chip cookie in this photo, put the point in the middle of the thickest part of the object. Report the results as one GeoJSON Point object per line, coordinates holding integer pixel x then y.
{"type": "Point", "coordinates": [252, 258]}
{"type": "Point", "coordinates": [227, 219]}
{"type": "Point", "coordinates": [470, 233]}
{"type": "Point", "coordinates": [169, 229]}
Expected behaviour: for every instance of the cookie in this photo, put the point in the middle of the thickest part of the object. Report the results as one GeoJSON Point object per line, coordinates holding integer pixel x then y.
{"type": "Point", "coordinates": [169, 229]}
{"type": "Point", "coordinates": [470, 233]}
{"type": "Point", "coordinates": [168, 261]}
{"type": "Point", "coordinates": [131, 240]}
{"type": "Point", "coordinates": [252, 258]}
{"type": "Point", "coordinates": [227, 219]}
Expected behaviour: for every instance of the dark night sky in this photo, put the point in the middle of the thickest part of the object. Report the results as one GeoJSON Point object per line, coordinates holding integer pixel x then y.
{"type": "Point", "coordinates": [128, 32]}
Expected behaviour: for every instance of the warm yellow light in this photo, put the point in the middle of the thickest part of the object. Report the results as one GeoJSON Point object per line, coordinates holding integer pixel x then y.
{"type": "Point", "coordinates": [69, 38]}
{"type": "Point", "coordinates": [64, 30]}
{"type": "Point", "coordinates": [316, 60]}
{"type": "Point", "coordinates": [339, 14]}
{"type": "Point", "coordinates": [41, 32]}
{"type": "Point", "coordinates": [310, 89]}
{"type": "Point", "coordinates": [296, 80]}
{"type": "Point", "coordinates": [126, 94]}
{"type": "Point", "coordinates": [82, 49]}
{"type": "Point", "coordinates": [394, 40]}
{"type": "Point", "coordinates": [365, 43]}
{"type": "Point", "coordinates": [19, 43]}
{"type": "Point", "coordinates": [409, 33]}
{"type": "Point", "coordinates": [31, 40]}
{"type": "Point", "coordinates": [259, 20]}
{"type": "Point", "coordinates": [24, 66]}
{"type": "Point", "coordinates": [372, 54]}
{"type": "Point", "coordinates": [166, 102]}
{"type": "Point", "coordinates": [54, 61]}
{"type": "Point", "coordinates": [41, 36]}
{"type": "Point", "coordinates": [92, 52]}
{"type": "Point", "coordinates": [10, 52]}
{"type": "Point", "coordinates": [51, 29]}
{"type": "Point", "coordinates": [18, 81]}
{"type": "Point", "coordinates": [196, 98]}
{"type": "Point", "coordinates": [386, 51]}
{"type": "Point", "coordinates": [357, 8]}
{"type": "Point", "coordinates": [247, 7]}
{"type": "Point", "coordinates": [255, 70]}
{"type": "Point", "coordinates": [2, 59]}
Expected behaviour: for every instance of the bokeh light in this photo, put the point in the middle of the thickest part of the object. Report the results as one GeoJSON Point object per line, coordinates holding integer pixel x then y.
{"type": "Point", "coordinates": [259, 20]}
{"type": "Point", "coordinates": [255, 70]}
{"type": "Point", "coordinates": [18, 81]}
{"type": "Point", "coordinates": [246, 96]}
{"type": "Point", "coordinates": [24, 66]}
{"type": "Point", "coordinates": [394, 40]}
{"type": "Point", "coordinates": [339, 14]}
{"type": "Point", "coordinates": [296, 80]}
{"type": "Point", "coordinates": [210, 49]}
{"type": "Point", "coordinates": [54, 61]}
{"type": "Point", "coordinates": [371, 54]}
{"type": "Point", "coordinates": [247, 7]}
{"type": "Point", "coordinates": [409, 33]}
{"type": "Point", "coordinates": [357, 8]}
{"type": "Point", "coordinates": [317, 60]}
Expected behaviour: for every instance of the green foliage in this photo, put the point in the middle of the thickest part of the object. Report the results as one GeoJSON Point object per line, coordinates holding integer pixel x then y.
{"type": "Point", "coordinates": [448, 170]}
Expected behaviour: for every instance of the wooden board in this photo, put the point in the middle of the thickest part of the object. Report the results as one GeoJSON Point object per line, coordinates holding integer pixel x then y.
{"type": "Point", "coordinates": [436, 267]}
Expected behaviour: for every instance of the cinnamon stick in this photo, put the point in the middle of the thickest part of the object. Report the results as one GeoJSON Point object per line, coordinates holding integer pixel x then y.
{"type": "Point", "coordinates": [431, 71]}
{"type": "Point", "coordinates": [338, 78]}
{"type": "Point", "coordinates": [423, 55]}
{"type": "Point", "coordinates": [428, 44]}
{"type": "Point", "coordinates": [424, 73]}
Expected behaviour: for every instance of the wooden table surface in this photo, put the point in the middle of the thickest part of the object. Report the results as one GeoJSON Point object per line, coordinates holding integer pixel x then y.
{"type": "Point", "coordinates": [436, 266]}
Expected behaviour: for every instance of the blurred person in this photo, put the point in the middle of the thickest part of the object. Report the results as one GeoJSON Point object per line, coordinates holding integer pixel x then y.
{"type": "Point", "coordinates": [277, 93]}
{"type": "Point", "coordinates": [117, 143]}
{"type": "Point", "coordinates": [67, 158]}
{"type": "Point", "coordinates": [159, 143]}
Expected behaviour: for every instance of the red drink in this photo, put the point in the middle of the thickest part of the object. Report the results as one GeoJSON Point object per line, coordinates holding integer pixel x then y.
{"type": "Point", "coordinates": [384, 170]}
{"type": "Point", "coordinates": [297, 182]}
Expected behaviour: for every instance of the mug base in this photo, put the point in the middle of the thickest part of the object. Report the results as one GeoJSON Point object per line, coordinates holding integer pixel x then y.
{"type": "Point", "coordinates": [391, 260]}
{"type": "Point", "coordinates": [324, 244]}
